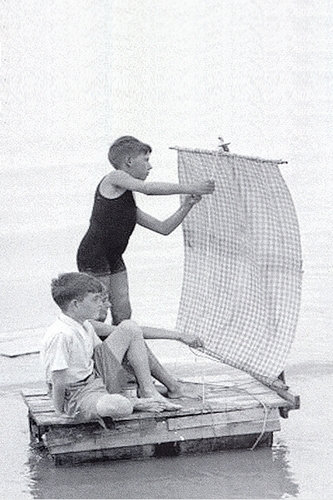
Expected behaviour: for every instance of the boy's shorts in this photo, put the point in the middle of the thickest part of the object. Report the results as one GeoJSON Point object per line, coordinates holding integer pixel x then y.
{"type": "Point", "coordinates": [93, 258]}
{"type": "Point", "coordinates": [81, 397]}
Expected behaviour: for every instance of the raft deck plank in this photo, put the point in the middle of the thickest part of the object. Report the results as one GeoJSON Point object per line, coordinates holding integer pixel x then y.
{"type": "Point", "coordinates": [236, 411]}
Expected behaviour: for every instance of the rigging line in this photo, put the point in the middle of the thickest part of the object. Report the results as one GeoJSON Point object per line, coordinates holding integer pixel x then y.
{"type": "Point", "coordinates": [263, 427]}
{"type": "Point", "coordinates": [236, 388]}
{"type": "Point", "coordinates": [264, 424]}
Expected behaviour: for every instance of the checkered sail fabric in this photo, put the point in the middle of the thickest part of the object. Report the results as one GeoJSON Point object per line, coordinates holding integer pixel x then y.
{"type": "Point", "coordinates": [242, 272]}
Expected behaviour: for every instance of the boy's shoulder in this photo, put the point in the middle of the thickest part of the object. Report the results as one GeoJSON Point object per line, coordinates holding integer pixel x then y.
{"type": "Point", "coordinates": [58, 327]}
{"type": "Point", "coordinates": [115, 176]}
{"type": "Point", "coordinates": [112, 184]}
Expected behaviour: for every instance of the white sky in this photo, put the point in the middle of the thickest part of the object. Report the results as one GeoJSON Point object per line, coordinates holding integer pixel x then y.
{"type": "Point", "coordinates": [75, 75]}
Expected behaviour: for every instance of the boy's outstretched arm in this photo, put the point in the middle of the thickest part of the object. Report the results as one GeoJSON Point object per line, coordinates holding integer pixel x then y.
{"type": "Point", "coordinates": [150, 332]}
{"type": "Point", "coordinates": [126, 181]}
{"type": "Point", "coordinates": [103, 330]}
{"type": "Point", "coordinates": [59, 381]}
{"type": "Point", "coordinates": [166, 226]}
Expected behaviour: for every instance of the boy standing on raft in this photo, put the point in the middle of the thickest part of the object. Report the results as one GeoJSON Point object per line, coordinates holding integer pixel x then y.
{"type": "Point", "coordinates": [69, 347]}
{"type": "Point", "coordinates": [115, 215]}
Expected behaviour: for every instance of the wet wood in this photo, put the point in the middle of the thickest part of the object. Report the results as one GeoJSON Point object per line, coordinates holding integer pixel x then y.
{"type": "Point", "coordinates": [235, 412]}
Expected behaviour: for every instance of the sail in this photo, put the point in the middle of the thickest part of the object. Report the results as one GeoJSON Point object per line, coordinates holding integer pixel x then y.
{"type": "Point", "coordinates": [242, 272]}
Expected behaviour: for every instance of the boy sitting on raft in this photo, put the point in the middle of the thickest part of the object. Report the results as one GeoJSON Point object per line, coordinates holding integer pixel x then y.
{"type": "Point", "coordinates": [174, 388]}
{"type": "Point", "coordinates": [70, 344]}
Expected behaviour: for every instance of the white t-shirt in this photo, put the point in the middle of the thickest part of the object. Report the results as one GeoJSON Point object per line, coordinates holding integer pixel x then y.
{"type": "Point", "coordinates": [69, 345]}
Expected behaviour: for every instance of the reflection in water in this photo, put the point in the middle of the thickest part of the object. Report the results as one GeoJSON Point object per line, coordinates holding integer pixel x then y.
{"type": "Point", "coordinates": [262, 473]}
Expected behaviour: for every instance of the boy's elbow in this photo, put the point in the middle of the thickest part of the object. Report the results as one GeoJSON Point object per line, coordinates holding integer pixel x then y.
{"type": "Point", "coordinates": [163, 230]}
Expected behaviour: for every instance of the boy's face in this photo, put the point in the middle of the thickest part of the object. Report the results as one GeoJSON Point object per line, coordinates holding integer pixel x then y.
{"type": "Point", "coordinates": [139, 166]}
{"type": "Point", "coordinates": [90, 307]}
{"type": "Point", "coordinates": [105, 307]}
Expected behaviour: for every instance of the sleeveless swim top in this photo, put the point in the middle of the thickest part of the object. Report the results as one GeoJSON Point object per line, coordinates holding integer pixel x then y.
{"type": "Point", "coordinates": [113, 220]}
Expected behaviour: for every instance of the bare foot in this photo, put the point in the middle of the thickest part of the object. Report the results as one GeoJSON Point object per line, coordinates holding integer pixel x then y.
{"type": "Point", "coordinates": [148, 404]}
{"type": "Point", "coordinates": [156, 396]}
{"type": "Point", "coordinates": [168, 405]}
{"type": "Point", "coordinates": [185, 390]}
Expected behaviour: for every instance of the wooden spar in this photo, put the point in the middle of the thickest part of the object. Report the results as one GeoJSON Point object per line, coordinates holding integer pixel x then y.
{"type": "Point", "coordinates": [228, 154]}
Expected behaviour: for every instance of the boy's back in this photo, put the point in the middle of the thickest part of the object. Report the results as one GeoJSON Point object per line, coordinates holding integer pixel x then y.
{"type": "Point", "coordinates": [67, 345]}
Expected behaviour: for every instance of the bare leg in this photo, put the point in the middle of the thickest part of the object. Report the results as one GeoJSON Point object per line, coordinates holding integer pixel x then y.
{"type": "Point", "coordinates": [128, 338]}
{"type": "Point", "coordinates": [114, 405]}
{"type": "Point", "coordinates": [284, 412]}
{"type": "Point", "coordinates": [117, 285]}
{"type": "Point", "coordinates": [176, 388]}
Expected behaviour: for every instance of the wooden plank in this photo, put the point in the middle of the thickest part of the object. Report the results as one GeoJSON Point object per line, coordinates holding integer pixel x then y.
{"type": "Point", "coordinates": [152, 426]}
{"type": "Point", "coordinates": [226, 413]}
{"type": "Point", "coordinates": [266, 394]}
{"type": "Point", "coordinates": [51, 419]}
{"type": "Point", "coordinates": [227, 380]}
{"type": "Point", "coordinates": [42, 410]}
{"type": "Point", "coordinates": [48, 417]}
{"type": "Point", "coordinates": [14, 351]}
{"type": "Point", "coordinates": [41, 406]}
{"type": "Point", "coordinates": [244, 441]}
{"type": "Point", "coordinates": [255, 414]}
{"type": "Point", "coordinates": [33, 392]}
{"type": "Point", "coordinates": [167, 449]}
{"type": "Point", "coordinates": [159, 433]}
{"type": "Point", "coordinates": [248, 385]}
{"type": "Point", "coordinates": [105, 440]}
{"type": "Point", "coordinates": [287, 395]}
{"type": "Point", "coordinates": [28, 342]}
{"type": "Point", "coordinates": [244, 393]}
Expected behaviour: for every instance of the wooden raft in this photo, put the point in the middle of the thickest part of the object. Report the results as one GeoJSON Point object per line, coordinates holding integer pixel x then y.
{"type": "Point", "coordinates": [234, 413]}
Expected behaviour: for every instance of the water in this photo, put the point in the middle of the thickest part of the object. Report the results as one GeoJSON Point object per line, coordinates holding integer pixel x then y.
{"type": "Point", "coordinates": [171, 73]}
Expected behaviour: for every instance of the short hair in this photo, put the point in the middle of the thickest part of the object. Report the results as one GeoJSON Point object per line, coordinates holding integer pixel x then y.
{"type": "Point", "coordinates": [126, 146]}
{"type": "Point", "coordinates": [69, 286]}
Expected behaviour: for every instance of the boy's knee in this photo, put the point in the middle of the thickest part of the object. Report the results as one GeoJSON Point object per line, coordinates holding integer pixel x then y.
{"type": "Point", "coordinates": [132, 328]}
{"type": "Point", "coordinates": [114, 405]}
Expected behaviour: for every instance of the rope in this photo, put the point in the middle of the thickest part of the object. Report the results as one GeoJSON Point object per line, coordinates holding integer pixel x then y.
{"type": "Point", "coordinates": [237, 389]}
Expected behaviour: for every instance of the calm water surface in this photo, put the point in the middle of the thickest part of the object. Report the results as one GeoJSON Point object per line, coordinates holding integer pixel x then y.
{"type": "Point", "coordinates": [300, 462]}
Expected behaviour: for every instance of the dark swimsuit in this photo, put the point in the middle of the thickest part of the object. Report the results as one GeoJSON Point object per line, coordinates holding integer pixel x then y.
{"type": "Point", "coordinates": [111, 225]}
